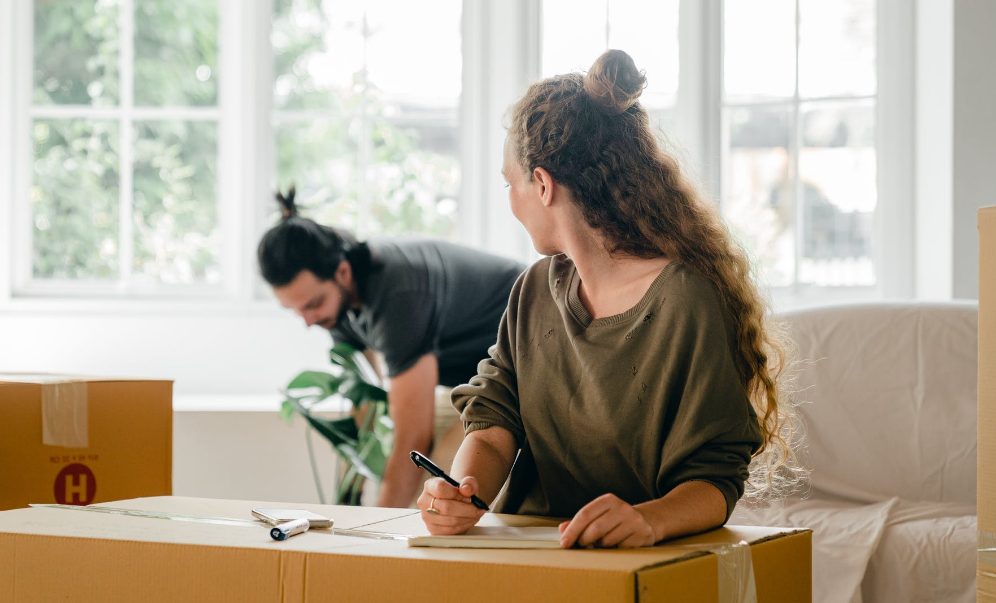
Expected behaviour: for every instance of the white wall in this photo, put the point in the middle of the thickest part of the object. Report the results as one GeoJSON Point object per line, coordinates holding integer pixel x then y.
{"type": "Point", "coordinates": [956, 142]}
{"type": "Point", "coordinates": [247, 456]}
{"type": "Point", "coordinates": [974, 135]}
{"type": "Point", "coordinates": [249, 351]}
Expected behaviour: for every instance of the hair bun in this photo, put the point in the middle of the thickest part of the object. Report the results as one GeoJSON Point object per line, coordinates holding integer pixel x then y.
{"type": "Point", "coordinates": [614, 82]}
{"type": "Point", "coordinates": [287, 206]}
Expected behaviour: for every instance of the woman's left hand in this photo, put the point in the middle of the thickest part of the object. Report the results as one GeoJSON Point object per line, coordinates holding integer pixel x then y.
{"type": "Point", "coordinates": [607, 521]}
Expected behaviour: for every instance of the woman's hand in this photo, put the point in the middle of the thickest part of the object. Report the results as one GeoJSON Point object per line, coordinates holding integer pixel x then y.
{"type": "Point", "coordinates": [607, 521]}
{"type": "Point", "coordinates": [448, 510]}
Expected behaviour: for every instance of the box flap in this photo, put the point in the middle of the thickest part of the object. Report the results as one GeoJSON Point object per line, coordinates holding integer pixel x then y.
{"type": "Point", "coordinates": [47, 378]}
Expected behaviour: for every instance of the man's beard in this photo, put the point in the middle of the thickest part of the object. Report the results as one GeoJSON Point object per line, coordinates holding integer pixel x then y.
{"type": "Point", "coordinates": [345, 303]}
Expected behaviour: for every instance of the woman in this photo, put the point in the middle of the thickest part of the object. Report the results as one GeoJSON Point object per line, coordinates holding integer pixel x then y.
{"type": "Point", "coordinates": [634, 375]}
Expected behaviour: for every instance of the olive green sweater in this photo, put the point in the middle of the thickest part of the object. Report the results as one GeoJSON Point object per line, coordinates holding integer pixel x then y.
{"type": "Point", "coordinates": [633, 404]}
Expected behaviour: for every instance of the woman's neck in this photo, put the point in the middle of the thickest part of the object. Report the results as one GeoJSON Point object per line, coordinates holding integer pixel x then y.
{"type": "Point", "coordinates": [610, 283]}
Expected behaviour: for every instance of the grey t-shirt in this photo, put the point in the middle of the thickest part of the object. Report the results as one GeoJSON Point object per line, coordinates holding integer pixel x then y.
{"type": "Point", "coordinates": [429, 296]}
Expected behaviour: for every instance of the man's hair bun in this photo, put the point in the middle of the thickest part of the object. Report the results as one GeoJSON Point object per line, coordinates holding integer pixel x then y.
{"type": "Point", "coordinates": [288, 209]}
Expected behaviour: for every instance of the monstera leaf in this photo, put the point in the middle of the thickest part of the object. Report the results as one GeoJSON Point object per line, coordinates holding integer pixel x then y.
{"type": "Point", "coordinates": [365, 446]}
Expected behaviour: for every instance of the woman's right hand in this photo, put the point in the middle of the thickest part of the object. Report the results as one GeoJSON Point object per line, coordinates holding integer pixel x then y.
{"type": "Point", "coordinates": [446, 509]}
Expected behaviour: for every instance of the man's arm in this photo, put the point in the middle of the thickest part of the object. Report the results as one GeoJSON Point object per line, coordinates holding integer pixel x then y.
{"type": "Point", "coordinates": [376, 361]}
{"type": "Point", "coordinates": [411, 404]}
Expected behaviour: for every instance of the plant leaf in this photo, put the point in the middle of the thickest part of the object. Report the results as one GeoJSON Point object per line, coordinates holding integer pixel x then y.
{"type": "Point", "coordinates": [352, 360]}
{"type": "Point", "coordinates": [328, 383]}
{"type": "Point", "coordinates": [287, 411]}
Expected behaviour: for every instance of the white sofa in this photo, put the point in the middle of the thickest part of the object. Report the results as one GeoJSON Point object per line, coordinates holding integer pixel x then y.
{"type": "Point", "coordinates": [888, 410]}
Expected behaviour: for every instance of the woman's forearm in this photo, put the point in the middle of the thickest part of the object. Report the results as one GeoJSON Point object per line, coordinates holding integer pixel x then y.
{"type": "Point", "coordinates": [690, 508]}
{"type": "Point", "coordinates": [487, 455]}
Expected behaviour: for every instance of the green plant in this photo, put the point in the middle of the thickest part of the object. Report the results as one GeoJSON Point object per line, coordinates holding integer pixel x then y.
{"type": "Point", "coordinates": [363, 438]}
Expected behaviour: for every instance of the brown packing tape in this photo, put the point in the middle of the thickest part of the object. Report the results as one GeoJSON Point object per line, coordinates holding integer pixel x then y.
{"type": "Point", "coordinates": [64, 414]}
{"type": "Point", "coordinates": [735, 570]}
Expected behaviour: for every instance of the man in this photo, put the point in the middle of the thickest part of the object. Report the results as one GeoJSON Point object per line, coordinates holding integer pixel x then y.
{"type": "Point", "coordinates": [429, 309]}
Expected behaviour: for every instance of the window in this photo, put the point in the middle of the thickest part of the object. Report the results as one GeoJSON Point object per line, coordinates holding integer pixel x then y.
{"type": "Point", "coordinates": [366, 106]}
{"type": "Point", "coordinates": [791, 115]}
{"type": "Point", "coordinates": [799, 145]}
{"type": "Point", "coordinates": [123, 122]}
{"type": "Point", "coordinates": [145, 154]}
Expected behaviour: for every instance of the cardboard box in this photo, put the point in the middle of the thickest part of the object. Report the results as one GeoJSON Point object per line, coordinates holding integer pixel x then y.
{"type": "Point", "coordinates": [53, 554]}
{"type": "Point", "coordinates": [986, 572]}
{"type": "Point", "coordinates": [78, 440]}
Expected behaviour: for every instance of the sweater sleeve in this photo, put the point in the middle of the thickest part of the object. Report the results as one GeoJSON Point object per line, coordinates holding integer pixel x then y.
{"type": "Point", "coordinates": [492, 398]}
{"type": "Point", "coordinates": [722, 462]}
{"type": "Point", "coordinates": [714, 431]}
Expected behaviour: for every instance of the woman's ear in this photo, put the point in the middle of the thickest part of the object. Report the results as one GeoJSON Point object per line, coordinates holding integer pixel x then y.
{"type": "Point", "coordinates": [545, 184]}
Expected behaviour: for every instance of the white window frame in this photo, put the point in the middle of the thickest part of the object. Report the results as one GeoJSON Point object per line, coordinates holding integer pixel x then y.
{"type": "Point", "coordinates": [501, 57]}
{"type": "Point", "coordinates": [893, 233]}
{"type": "Point", "coordinates": [124, 114]}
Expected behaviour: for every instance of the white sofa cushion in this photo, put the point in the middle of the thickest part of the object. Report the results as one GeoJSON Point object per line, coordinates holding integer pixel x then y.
{"type": "Point", "coordinates": [889, 399]}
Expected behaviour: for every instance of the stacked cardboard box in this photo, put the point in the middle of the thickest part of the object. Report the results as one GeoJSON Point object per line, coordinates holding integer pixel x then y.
{"type": "Point", "coordinates": [987, 406]}
{"type": "Point", "coordinates": [77, 440]}
{"type": "Point", "coordinates": [79, 554]}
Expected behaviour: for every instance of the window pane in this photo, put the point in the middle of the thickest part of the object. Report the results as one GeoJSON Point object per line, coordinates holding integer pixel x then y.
{"type": "Point", "coordinates": [648, 31]}
{"type": "Point", "coordinates": [837, 166]}
{"type": "Point", "coordinates": [390, 72]}
{"type": "Point", "coordinates": [415, 179]}
{"type": "Point", "coordinates": [759, 50]}
{"type": "Point", "coordinates": [836, 48]}
{"type": "Point", "coordinates": [574, 34]}
{"type": "Point", "coordinates": [176, 52]}
{"type": "Point", "coordinates": [318, 54]}
{"type": "Point", "coordinates": [319, 158]}
{"type": "Point", "coordinates": [413, 54]}
{"type": "Point", "coordinates": [74, 199]}
{"type": "Point", "coordinates": [175, 202]}
{"type": "Point", "coordinates": [760, 194]}
{"type": "Point", "coordinates": [76, 52]}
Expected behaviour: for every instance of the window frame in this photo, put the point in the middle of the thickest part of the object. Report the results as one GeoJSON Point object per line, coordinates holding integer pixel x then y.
{"type": "Point", "coordinates": [125, 114]}
{"type": "Point", "coordinates": [497, 69]}
{"type": "Point", "coordinates": [893, 239]}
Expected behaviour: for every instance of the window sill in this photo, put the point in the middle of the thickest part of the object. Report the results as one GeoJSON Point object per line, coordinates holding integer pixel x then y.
{"type": "Point", "coordinates": [246, 403]}
{"type": "Point", "coordinates": [159, 306]}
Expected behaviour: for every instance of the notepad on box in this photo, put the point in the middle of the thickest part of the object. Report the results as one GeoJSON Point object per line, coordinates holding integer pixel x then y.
{"type": "Point", "coordinates": [496, 537]}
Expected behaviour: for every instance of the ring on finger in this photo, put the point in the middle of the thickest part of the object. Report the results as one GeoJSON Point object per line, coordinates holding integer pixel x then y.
{"type": "Point", "coordinates": [432, 510]}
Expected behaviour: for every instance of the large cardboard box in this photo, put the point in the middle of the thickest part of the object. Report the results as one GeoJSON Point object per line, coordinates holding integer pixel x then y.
{"type": "Point", "coordinates": [78, 440]}
{"type": "Point", "coordinates": [987, 406]}
{"type": "Point", "coordinates": [60, 554]}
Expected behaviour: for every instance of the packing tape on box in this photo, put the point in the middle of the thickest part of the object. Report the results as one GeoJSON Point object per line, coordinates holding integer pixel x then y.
{"type": "Point", "coordinates": [64, 408]}
{"type": "Point", "coordinates": [987, 551]}
{"type": "Point", "coordinates": [735, 570]}
{"type": "Point", "coordinates": [64, 414]}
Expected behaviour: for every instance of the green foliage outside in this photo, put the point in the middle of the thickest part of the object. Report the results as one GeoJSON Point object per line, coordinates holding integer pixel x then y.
{"type": "Point", "coordinates": [408, 188]}
{"type": "Point", "coordinates": [77, 169]}
{"type": "Point", "coordinates": [355, 168]}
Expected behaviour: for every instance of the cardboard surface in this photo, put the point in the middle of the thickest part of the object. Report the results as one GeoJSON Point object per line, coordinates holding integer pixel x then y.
{"type": "Point", "coordinates": [51, 554]}
{"type": "Point", "coordinates": [82, 440]}
{"type": "Point", "coordinates": [987, 401]}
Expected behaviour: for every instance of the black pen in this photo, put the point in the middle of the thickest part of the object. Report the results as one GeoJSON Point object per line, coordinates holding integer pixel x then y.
{"type": "Point", "coordinates": [423, 461]}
